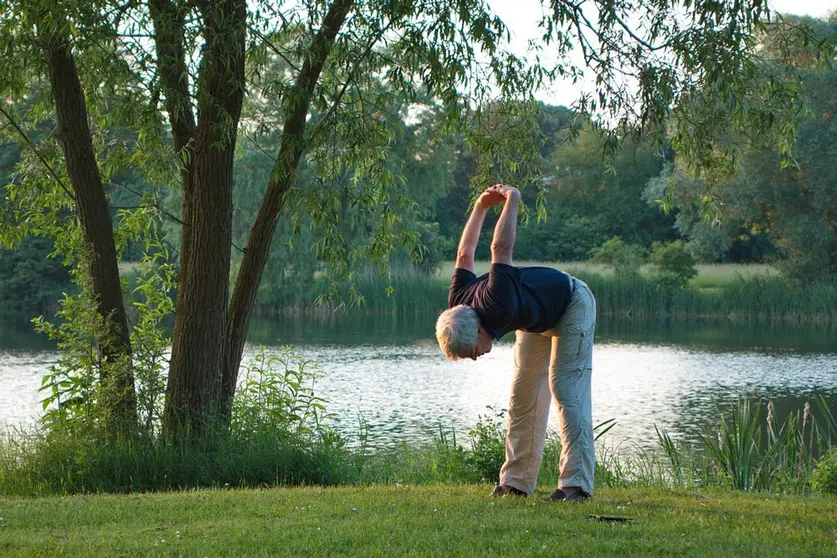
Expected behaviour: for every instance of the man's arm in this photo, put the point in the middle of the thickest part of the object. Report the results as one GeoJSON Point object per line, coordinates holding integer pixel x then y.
{"type": "Point", "coordinates": [471, 232]}
{"type": "Point", "coordinates": [505, 231]}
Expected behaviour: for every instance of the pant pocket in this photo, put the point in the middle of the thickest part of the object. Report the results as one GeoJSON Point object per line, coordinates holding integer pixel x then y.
{"type": "Point", "coordinates": [570, 348]}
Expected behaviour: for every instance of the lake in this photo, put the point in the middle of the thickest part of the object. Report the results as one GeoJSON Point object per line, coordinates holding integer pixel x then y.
{"type": "Point", "coordinates": [390, 374]}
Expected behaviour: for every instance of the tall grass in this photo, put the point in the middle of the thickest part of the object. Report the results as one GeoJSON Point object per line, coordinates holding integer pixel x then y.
{"type": "Point", "coordinates": [755, 296]}
{"type": "Point", "coordinates": [709, 275]}
{"type": "Point", "coordinates": [737, 446]}
{"type": "Point", "coordinates": [404, 292]}
{"type": "Point", "coordinates": [745, 453]}
{"type": "Point", "coordinates": [278, 434]}
{"type": "Point", "coordinates": [747, 299]}
{"type": "Point", "coordinates": [749, 453]}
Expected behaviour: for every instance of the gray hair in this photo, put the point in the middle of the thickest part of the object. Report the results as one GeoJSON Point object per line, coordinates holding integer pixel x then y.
{"type": "Point", "coordinates": [457, 329]}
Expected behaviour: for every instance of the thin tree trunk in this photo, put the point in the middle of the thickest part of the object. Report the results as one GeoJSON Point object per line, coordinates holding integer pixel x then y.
{"type": "Point", "coordinates": [281, 178]}
{"type": "Point", "coordinates": [194, 385]}
{"type": "Point", "coordinates": [76, 142]}
{"type": "Point", "coordinates": [169, 32]}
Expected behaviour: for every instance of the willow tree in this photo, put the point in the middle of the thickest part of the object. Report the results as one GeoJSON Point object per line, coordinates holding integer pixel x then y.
{"type": "Point", "coordinates": [183, 68]}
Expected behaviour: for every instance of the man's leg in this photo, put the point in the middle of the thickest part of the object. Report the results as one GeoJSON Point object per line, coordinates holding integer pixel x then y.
{"type": "Point", "coordinates": [528, 412]}
{"type": "Point", "coordinates": [570, 374]}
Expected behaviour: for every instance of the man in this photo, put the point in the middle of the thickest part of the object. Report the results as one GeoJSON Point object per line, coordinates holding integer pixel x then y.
{"type": "Point", "coordinates": [554, 317]}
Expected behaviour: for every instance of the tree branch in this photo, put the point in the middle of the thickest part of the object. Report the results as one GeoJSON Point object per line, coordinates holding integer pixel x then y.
{"type": "Point", "coordinates": [281, 178]}
{"type": "Point", "coordinates": [272, 47]}
{"type": "Point", "coordinates": [168, 32]}
{"type": "Point", "coordinates": [641, 41]}
{"type": "Point", "coordinates": [350, 77]}
{"type": "Point", "coordinates": [28, 140]}
{"type": "Point", "coordinates": [156, 206]}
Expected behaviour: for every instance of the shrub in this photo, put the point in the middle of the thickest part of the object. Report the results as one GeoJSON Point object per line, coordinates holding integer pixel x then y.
{"type": "Point", "coordinates": [625, 258]}
{"type": "Point", "coordinates": [675, 265]}
{"type": "Point", "coordinates": [488, 445]}
{"type": "Point", "coordinates": [825, 474]}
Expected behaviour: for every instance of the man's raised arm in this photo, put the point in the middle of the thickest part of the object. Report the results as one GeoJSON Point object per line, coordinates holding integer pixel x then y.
{"type": "Point", "coordinates": [505, 231]}
{"type": "Point", "coordinates": [471, 232]}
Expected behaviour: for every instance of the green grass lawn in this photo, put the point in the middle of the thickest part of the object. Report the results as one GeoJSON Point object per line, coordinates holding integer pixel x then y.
{"type": "Point", "coordinates": [436, 520]}
{"type": "Point", "coordinates": [709, 275]}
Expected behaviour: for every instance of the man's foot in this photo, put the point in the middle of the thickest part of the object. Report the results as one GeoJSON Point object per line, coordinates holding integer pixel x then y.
{"type": "Point", "coordinates": [504, 489]}
{"type": "Point", "coordinates": [559, 495]}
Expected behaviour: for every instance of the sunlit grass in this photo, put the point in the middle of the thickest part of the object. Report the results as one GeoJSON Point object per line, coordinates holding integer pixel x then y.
{"type": "Point", "coordinates": [434, 520]}
{"type": "Point", "coordinates": [722, 275]}
{"type": "Point", "coordinates": [709, 275]}
{"type": "Point", "coordinates": [480, 267]}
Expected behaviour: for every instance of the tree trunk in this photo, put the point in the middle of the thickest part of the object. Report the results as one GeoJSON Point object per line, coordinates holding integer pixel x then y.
{"type": "Point", "coordinates": [281, 178]}
{"type": "Point", "coordinates": [168, 19]}
{"type": "Point", "coordinates": [194, 385]}
{"type": "Point", "coordinates": [74, 134]}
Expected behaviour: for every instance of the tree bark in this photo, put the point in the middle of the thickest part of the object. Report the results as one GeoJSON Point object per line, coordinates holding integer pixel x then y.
{"type": "Point", "coordinates": [194, 385]}
{"type": "Point", "coordinates": [168, 19]}
{"type": "Point", "coordinates": [281, 178]}
{"type": "Point", "coordinates": [77, 144]}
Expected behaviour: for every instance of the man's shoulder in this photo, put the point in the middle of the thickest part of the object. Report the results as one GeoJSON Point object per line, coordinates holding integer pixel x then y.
{"type": "Point", "coordinates": [461, 285]}
{"type": "Point", "coordinates": [542, 270]}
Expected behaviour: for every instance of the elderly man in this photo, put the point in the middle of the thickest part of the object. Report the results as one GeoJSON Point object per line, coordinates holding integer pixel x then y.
{"type": "Point", "coordinates": [554, 317]}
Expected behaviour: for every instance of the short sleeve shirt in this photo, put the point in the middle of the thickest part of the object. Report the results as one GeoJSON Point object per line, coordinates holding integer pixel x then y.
{"type": "Point", "coordinates": [508, 298]}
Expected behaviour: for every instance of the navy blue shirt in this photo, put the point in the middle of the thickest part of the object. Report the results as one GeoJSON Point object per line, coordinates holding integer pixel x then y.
{"type": "Point", "coordinates": [508, 298]}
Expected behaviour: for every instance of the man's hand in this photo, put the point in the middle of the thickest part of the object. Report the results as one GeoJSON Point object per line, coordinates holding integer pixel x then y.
{"type": "Point", "coordinates": [505, 191]}
{"type": "Point", "coordinates": [495, 195]}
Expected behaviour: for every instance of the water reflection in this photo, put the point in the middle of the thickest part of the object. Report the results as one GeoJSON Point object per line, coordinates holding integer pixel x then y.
{"type": "Point", "coordinates": [720, 335]}
{"type": "Point", "coordinates": [405, 390]}
{"type": "Point", "coordinates": [711, 335]}
{"type": "Point", "coordinates": [390, 374]}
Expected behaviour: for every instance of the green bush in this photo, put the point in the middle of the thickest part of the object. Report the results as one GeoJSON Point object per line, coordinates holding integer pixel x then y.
{"type": "Point", "coordinates": [278, 435]}
{"type": "Point", "coordinates": [825, 474]}
{"type": "Point", "coordinates": [625, 258]}
{"type": "Point", "coordinates": [675, 265]}
{"type": "Point", "coordinates": [488, 445]}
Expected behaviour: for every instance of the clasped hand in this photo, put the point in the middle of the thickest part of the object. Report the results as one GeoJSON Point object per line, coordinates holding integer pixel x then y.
{"type": "Point", "coordinates": [496, 194]}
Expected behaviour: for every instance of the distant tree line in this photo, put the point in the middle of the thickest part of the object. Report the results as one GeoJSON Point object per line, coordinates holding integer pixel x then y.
{"type": "Point", "coordinates": [763, 212]}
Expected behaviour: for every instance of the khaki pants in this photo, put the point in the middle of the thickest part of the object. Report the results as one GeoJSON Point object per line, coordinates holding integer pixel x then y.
{"type": "Point", "coordinates": [553, 364]}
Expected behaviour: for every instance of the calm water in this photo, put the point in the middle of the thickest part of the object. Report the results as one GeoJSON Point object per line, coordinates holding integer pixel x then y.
{"type": "Point", "coordinates": [392, 375]}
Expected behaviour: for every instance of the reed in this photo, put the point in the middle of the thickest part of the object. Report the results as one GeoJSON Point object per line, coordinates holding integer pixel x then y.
{"type": "Point", "coordinates": [745, 452]}
{"type": "Point", "coordinates": [762, 297]}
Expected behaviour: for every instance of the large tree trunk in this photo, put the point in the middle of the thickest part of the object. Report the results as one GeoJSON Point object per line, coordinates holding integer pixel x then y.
{"type": "Point", "coordinates": [76, 142]}
{"type": "Point", "coordinates": [282, 177]}
{"type": "Point", "coordinates": [194, 385]}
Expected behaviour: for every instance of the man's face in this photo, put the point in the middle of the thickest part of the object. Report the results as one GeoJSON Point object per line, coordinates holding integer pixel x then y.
{"type": "Point", "coordinates": [483, 346]}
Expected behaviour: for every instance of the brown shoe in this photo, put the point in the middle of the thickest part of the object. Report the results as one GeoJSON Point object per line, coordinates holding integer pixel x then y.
{"type": "Point", "coordinates": [559, 495]}
{"type": "Point", "coordinates": [504, 489]}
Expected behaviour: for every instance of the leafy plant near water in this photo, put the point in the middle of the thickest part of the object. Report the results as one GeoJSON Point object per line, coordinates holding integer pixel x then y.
{"type": "Point", "coordinates": [151, 305]}
{"type": "Point", "coordinates": [276, 397]}
{"type": "Point", "coordinates": [825, 475]}
{"type": "Point", "coordinates": [279, 435]}
{"type": "Point", "coordinates": [76, 387]}
{"type": "Point", "coordinates": [488, 446]}
{"type": "Point", "coordinates": [72, 387]}
{"type": "Point", "coordinates": [750, 455]}
{"type": "Point", "coordinates": [737, 444]}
